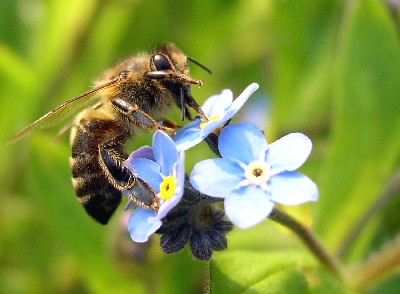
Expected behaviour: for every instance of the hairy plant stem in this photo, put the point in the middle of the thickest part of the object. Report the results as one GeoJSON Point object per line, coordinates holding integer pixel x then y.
{"type": "Point", "coordinates": [376, 268]}
{"type": "Point", "coordinates": [310, 240]}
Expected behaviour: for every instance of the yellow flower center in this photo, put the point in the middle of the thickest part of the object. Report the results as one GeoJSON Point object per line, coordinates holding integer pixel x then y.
{"type": "Point", "coordinates": [167, 188]}
{"type": "Point", "coordinates": [214, 117]}
{"type": "Point", "coordinates": [258, 172]}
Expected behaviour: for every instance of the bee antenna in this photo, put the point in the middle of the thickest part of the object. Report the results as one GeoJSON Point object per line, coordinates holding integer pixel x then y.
{"type": "Point", "coordinates": [199, 64]}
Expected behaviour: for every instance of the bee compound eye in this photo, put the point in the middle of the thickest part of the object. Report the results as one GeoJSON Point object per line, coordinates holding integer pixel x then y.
{"type": "Point", "coordinates": [161, 62]}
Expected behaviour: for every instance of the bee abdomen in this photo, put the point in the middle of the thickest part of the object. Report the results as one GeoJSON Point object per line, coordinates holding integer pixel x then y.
{"type": "Point", "coordinates": [84, 165]}
{"type": "Point", "coordinates": [94, 190]}
{"type": "Point", "coordinates": [99, 198]}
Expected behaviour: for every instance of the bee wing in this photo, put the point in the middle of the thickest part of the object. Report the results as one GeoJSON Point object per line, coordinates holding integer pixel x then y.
{"type": "Point", "coordinates": [62, 111]}
{"type": "Point", "coordinates": [66, 128]}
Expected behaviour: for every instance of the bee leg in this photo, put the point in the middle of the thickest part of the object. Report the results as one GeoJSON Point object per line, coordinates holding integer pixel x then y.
{"type": "Point", "coordinates": [188, 115]}
{"type": "Point", "coordinates": [170, 123]}
{"type": "Point", "coordinates": [124, 180]}
{"type": "Point", "coordinates": [141, 117]}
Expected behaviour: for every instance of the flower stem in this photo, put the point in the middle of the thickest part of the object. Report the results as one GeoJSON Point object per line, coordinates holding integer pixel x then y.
{"type": "Point", "coordinates": [377, 268]}
{"type": "Point", "coordinates": [310, 240]}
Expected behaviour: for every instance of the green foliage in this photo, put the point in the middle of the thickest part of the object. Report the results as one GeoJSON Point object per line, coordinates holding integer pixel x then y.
{"type": "Point", "coordinates": [366, 108]}
{"type": "Point", "coordinates": [238, 272]}
{"type": "Point", "coordinates": [270, 272]}
{"type": "Point", "coordinates": [329, 69]}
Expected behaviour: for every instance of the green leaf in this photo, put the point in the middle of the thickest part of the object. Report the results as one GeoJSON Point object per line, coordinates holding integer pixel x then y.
{"type": "Point", "coordinates": [285, 281]}
{"type": "Point", "coordinates": [270, 272]}
{"type": "Point", "coordinates": [241, 271]}
{"type": "Point", "coordinates": [366, 126]}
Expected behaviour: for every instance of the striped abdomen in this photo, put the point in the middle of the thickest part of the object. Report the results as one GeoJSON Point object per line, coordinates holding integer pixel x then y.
{"type": "Point", "coordinates": [93, 188]}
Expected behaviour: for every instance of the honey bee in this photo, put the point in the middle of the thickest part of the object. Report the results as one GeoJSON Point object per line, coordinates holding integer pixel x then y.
{"type": "Point", "coordinates": [132, 94]}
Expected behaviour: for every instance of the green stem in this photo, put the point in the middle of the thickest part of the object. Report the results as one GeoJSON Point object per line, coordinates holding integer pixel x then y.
{"type": "Point", "coordinates": [310, 240]}
{"type": "Point", "coordinates": [377, 268]}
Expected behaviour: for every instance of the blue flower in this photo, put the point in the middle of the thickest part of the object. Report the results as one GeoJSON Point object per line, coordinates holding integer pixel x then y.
{"type": "Point", "coordinates": [162, 167]}
{"type": "Point", "coordinates": [219, 109]}
{"type": "Point", "coordinates": [252, 175]}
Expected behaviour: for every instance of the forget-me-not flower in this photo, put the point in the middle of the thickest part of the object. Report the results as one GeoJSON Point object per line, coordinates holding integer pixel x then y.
{"type": "Point", "coordinates": [162, 167]}
{"type": "Point", "coordinates": [219, 109]}
{"type": "Point", "coordinates": [252, 175]}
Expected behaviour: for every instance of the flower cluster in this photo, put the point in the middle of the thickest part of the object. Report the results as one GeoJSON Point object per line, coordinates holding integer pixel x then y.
{"type": "Point", "coordinates": [163, 168]}
{"type": "Point", "coordinates": [249, 176]}
{"type": "Point", "coordinates": [252, 175]}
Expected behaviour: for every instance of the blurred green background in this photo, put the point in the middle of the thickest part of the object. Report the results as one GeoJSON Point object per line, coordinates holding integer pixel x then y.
{"type": "Point", "coordinates": [329, 69]}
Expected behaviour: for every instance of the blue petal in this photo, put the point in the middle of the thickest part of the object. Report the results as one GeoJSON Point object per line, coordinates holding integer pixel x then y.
{"type": "Point", "coordinates": [209, 127]}
{"type": "Point", "coordinates": [216, 177]}
{"type": "Point", "coordinates": [180, 179]}
{"type": "Point", "coordinates": [170, 204]}
{"type": "Point", "coordinates": [247, 206]}
{"type": "Point", "coordinates": [217, 104]}
{"type": "Point", "coordinates": [188, 136]}
{"type": "Point", "coordinates": [289, 152]}
{"type": "Point", "coordinates": [165, 152]}
{"type": "Point", "coordinates": [292, 188]}
{"type": "Point", "coordinates": [244, 142]}
{"type": "Point", "coordinates": [143, 223]}
{"type": "Point", "coordinates": [142, 152]}
{"type": "Point", "coordinates": [240, 101]}
{"type": "Point", "coordinates": [180, 170]}
{"type": "Point", "coordinates": [227, 111]}
{"type": "Point", "coordinates": [148, 171]}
